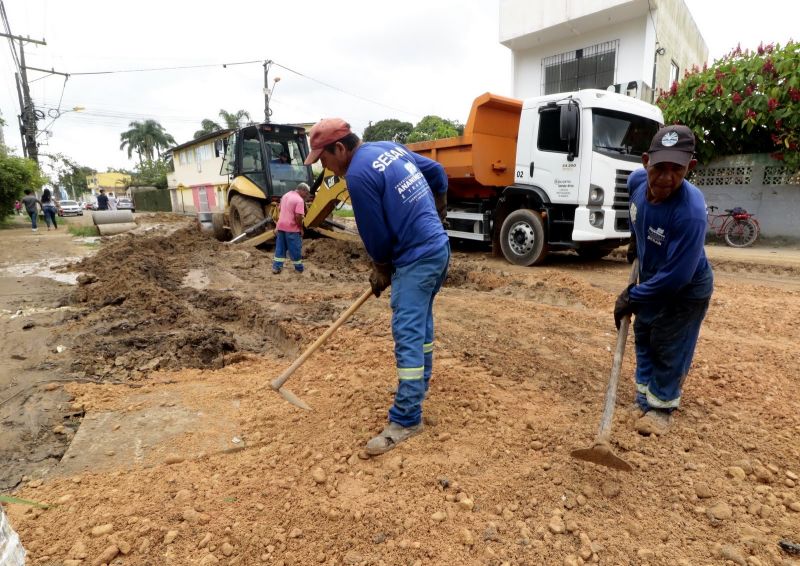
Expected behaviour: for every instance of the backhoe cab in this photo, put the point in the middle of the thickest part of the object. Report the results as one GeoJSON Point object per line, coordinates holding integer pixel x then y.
{"type": "Point", "coordinates": [264, 162]}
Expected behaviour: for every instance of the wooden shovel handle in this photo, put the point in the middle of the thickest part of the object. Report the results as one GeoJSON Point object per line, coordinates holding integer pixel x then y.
{"type": "Point", "coordinates": [278, 382]}
{"type": "Point", "coordinates": [611, 390]}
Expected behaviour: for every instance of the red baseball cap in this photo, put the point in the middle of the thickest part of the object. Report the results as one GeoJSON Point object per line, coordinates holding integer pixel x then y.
{"type": "Point", "coordinates": [324, 133]}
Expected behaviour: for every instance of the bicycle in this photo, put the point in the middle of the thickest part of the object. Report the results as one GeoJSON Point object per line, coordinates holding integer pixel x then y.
{"type": "Point", "coordinates": [738, 227]}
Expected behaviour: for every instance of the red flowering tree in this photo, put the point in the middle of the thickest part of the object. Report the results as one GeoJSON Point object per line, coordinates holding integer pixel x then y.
{"type": "Point", "coordinates": [747, 102]}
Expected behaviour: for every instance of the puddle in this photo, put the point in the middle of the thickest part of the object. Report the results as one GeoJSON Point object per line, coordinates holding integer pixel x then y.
{"type": "Point", "coordinates": [44, 269]}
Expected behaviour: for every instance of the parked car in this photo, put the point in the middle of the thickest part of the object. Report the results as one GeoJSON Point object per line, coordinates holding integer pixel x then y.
{"type": "Point", "coordinates": [125, 204]}
{"type": "Point", "coordinates": [69, 208]}
{"type": "Point", "coordinates": [89, 206]}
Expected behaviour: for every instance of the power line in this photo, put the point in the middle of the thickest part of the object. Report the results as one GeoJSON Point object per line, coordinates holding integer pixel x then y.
{"type": "Point", "coordinates": [181, 67]}
{"type": "Point", "coordinates": [210, 65]}
{"type": "Point", "coordinates": [344, 91]}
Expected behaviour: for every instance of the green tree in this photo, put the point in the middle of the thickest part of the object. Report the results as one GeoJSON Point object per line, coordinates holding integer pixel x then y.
{"type": "Point", "coordinates": [388, 130]}
{"type": "Point", "coordinates": [16, 175]}
{"type": "Point", "coordinates": [746, 102]}
{"type": "Point", "coordinates": [151, 173]}
{"type": "Point", "coordinates": [206, 127]}
{"type": "Point", "coordinates": [235, 120]}
{"type": "Point", "coordinates": [69, 174]}
{"type": "Point", "coordinates": [434, 128]}
{"type": "Point", "coordinates": [147, 139]}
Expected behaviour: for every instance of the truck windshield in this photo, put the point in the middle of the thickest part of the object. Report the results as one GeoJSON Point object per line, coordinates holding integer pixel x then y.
{"type": "Point", "coordinates": [621, 135]}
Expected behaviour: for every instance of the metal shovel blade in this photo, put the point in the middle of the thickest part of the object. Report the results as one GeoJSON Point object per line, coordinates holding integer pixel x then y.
{"type": "Point", "coordinates": [602, 455]}
{"type": "Point", "coordinates": [292, 398]}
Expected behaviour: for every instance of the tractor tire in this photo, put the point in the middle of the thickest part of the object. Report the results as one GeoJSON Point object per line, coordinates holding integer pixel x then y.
{"type": "Point", "coordinates": [244, 213]}
{"type": "Point", "coordinates": [218, 228]}
{"type": "Point", "coordinates": [522, 238]}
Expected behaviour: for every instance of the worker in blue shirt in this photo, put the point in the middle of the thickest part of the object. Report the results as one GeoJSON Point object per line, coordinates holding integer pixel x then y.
{"type": "Point", "coordinates": [668, 222]}
{"type": "Point", "coordinates": [399, 200]}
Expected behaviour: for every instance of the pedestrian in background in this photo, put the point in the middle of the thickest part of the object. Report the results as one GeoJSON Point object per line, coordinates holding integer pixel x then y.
{"type": "Point", "coordinates": [112, 202]}
{"type": "Point", "coordinates": [399, 200]}
{"type": "Point", "coordinates": [102, 200]}
{"type": "Point", "coordinates": [49, 210]}
{"type": "Point", "coordinates": [31, 203]}
{"type": "Point", "coordinates": [18, 207]}
{"type": "Point", "coordinates": [668, 218]}
{"type": "Point", "coordinates": [289, 229]}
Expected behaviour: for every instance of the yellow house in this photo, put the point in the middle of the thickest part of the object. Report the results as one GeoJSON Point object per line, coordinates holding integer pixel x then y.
{"type": "Point", "coordinates": [116, 183]}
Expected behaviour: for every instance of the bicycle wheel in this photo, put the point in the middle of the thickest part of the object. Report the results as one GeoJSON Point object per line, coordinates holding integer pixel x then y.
{"type": "Point", "coordinates": [741, 233]}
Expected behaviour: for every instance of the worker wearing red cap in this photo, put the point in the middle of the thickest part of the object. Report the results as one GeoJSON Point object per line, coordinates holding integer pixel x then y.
{"type": "Point", "coordinates": [399, 200]}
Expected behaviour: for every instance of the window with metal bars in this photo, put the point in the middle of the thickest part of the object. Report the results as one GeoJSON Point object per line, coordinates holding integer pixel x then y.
{"type": "Point", "coordinates": [590, 67]}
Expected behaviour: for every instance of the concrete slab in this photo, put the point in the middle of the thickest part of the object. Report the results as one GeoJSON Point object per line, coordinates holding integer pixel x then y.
{"type": "Point", "coordinates": [154, 429]}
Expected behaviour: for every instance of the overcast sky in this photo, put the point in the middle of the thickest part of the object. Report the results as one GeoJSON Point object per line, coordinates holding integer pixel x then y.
{"type": "Point", "coordinates": [361, 60]}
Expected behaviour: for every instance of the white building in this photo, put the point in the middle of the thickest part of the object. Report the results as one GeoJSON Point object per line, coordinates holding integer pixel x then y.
{"type": "Point", "coordinates": [565, 45]}
{"type": "Point", "coordinates": [196, 185]}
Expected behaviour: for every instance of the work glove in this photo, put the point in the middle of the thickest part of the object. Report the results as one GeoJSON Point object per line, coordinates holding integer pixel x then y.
{"type": "Point", "coordinates": [441, 206]}
{"type": "Point", "coordinates": [380, 278]}
{"type": "Point", "coordinates": [623, 306]}
{"type": "Point", "coordinates": [631, 255]}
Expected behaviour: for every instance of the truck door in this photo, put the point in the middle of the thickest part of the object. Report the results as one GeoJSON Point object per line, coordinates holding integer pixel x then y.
{"type": "Point", "coordinates": [556, 163]}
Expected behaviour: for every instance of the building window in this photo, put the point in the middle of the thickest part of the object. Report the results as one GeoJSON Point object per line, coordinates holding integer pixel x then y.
{"type": "Point", "coordinates": [674, 71]}
{"type": "Point", "coordinates": [590, 67]}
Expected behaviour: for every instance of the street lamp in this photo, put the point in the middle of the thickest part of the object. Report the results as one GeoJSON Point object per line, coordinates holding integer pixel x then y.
{"type": "Point", "coordinates": [55, 114]}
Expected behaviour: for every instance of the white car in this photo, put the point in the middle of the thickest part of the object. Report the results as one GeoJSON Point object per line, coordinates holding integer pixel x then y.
{"type": "Point", "coordinates": [124, 203]}
{"type": "Point", "coordinates": [69, 208]}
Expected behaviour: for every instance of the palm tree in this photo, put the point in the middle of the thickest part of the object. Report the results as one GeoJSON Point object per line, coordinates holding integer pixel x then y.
{"type": "Point", "coordinates": [234, 120]}
{"type": "Point", "coordinates": [146, 139]}
{"type": "Point", "coordinates": [206, 127]}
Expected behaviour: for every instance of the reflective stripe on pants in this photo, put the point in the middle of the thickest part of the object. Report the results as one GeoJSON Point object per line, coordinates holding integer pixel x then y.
{"type": "Point", "coordinates": [414, 288]}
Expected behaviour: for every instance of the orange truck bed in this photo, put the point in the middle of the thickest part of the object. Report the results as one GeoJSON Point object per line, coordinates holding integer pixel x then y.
{"type": "Point", "coordinates": [481, 160]}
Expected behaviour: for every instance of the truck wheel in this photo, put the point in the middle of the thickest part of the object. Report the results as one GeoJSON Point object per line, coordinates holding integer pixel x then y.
{"type": "Point", "coordinates": [244, 212]}
{"type": "Point", "coordinates": [218, 228]}
{"type": "Point", "coordinates": [522, 237]}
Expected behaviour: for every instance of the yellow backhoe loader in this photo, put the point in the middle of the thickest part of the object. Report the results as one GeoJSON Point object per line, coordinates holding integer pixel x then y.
{"type": "Point", "coordinates": [264, 162]}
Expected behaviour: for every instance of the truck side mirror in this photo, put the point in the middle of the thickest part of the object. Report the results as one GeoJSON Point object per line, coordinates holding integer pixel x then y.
{"type": "Point", "coordinates": [569, 127]}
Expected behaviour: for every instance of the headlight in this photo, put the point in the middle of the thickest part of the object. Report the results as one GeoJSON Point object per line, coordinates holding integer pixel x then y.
{"type": "Point", "coordinates": [596, 195]}
{"type": "Point", "coordinates": [596, 218]}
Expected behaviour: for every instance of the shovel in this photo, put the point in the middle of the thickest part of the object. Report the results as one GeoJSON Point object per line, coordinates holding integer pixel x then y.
{"type": "Point", "coordinates": [600, 453]}
{"type": "Point", "coordinates": [277, 383]}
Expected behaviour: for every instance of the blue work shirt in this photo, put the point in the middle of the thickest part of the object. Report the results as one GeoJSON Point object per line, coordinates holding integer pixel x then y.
{"type": "Point", "coordinates": [391, 189]}
{"type": "Point", "coordinates": [670, 239]}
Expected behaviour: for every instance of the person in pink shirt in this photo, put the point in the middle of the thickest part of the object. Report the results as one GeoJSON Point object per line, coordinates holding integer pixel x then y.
{"type": "Point", "coordinates": [289, 230]}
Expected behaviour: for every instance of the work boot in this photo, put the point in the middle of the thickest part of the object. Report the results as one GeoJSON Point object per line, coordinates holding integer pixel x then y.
{"type": "Point", "coordinates": [276, 271]}
{"type": "Point", "coordinates": [392, 435]}
{"type": "Point", "coordinates": [656, 421]}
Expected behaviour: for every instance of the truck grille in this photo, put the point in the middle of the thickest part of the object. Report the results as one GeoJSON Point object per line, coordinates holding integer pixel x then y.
{"type": "Point", "coordinates": [621, 197]}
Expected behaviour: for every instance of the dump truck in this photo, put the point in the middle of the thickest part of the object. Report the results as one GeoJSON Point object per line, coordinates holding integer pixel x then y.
{"type": "Point", "coordinates": [547, 173]}
{"type": "Point", "coordinates": [264, 162]}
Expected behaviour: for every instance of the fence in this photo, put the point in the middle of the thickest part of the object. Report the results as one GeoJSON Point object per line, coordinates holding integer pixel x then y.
{"type": "Point", "coordinates": [757, 183]}
{"type": "Point", "coordinates": [151, 199]}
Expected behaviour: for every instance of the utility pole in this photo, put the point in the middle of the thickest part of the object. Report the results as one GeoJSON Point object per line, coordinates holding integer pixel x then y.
{"type": "Point", "coordinates": [267, 111]}
{"type": "Point", "coordinates": [27, 116]}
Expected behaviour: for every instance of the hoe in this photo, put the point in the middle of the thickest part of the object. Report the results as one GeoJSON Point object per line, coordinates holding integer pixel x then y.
{"type": "Point", "coordinates": [277, 383]}
{"type": "Point", "coordinates": [600, 452]}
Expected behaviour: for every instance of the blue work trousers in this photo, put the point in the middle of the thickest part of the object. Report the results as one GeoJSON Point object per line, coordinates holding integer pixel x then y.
{"type": "Point", "coordinates": [414, 287]}
{"type": "Point", "coordinates": [50, 216]}
{"type": "Point", "coordinates": [666, 336]}
{"type": "Point", "coordinates": [291, 243]}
